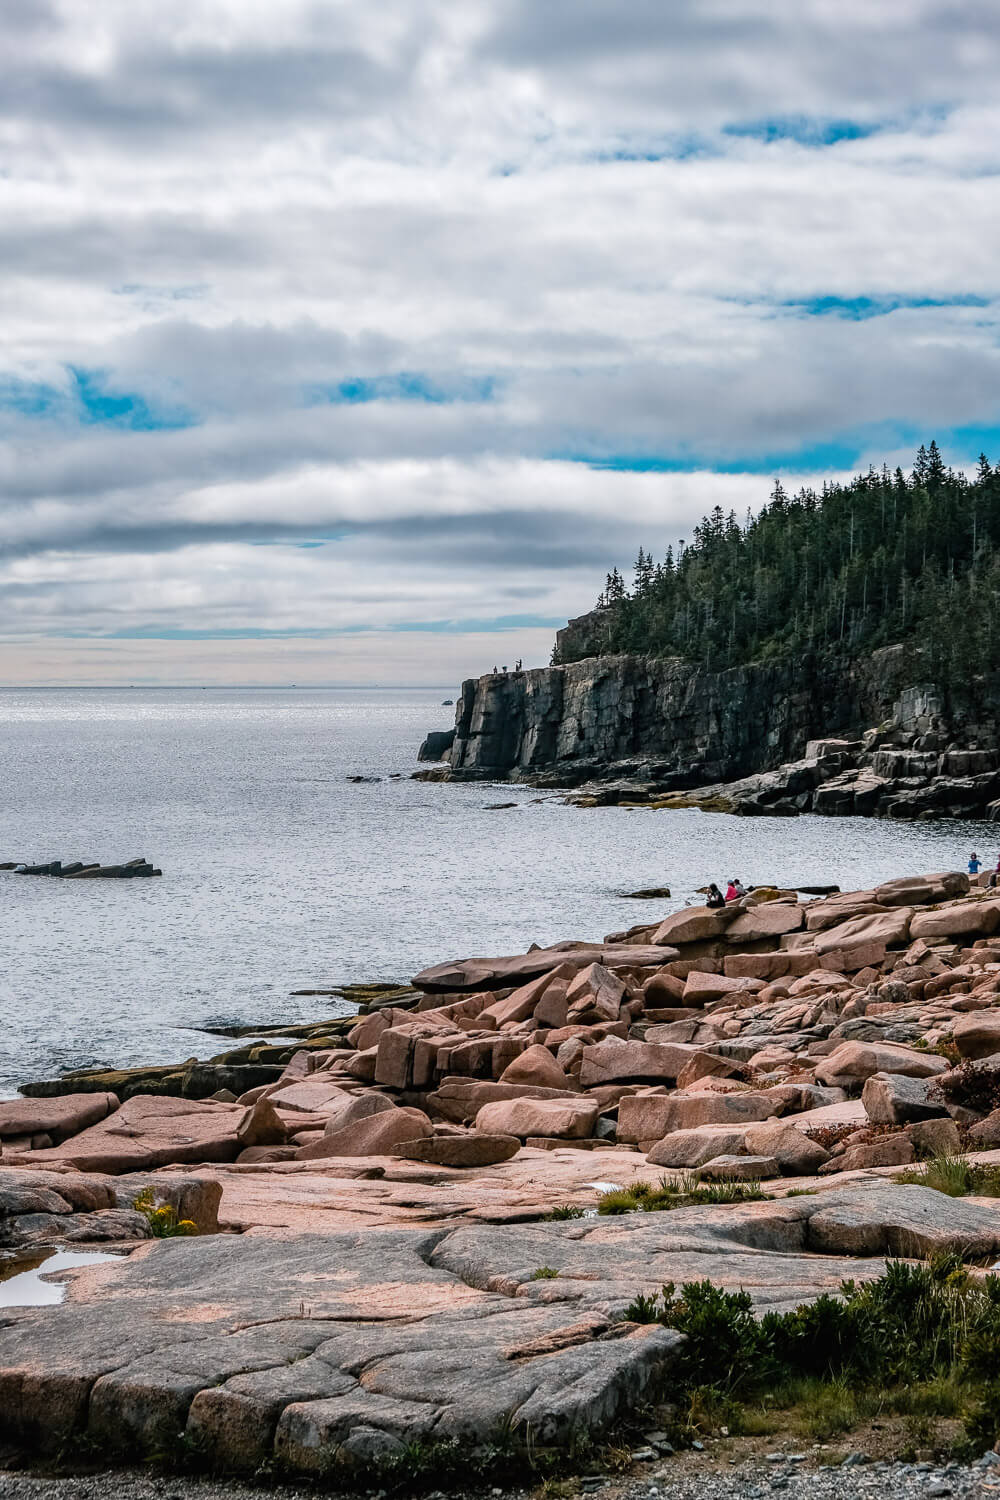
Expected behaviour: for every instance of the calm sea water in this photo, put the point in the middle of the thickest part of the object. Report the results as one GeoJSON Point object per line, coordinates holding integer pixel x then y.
{"type": "Point", "coordinates": [281, 874]}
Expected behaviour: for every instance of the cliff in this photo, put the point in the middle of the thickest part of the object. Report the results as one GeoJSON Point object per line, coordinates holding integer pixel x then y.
{"type": "Point", "coordinates": [648, 727]}
{"type": "Point", "coordinates": [609, 715]}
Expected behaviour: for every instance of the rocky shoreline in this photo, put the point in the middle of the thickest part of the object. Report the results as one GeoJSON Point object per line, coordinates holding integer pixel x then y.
{"type": "Point", "coordinates": [436, 1221]}
{"type": "Point", "coordinates": [664, 734]}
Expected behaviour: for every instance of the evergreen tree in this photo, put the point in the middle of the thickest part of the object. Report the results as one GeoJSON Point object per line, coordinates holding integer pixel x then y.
{"type": "Point", "coordinates": [881, 560]}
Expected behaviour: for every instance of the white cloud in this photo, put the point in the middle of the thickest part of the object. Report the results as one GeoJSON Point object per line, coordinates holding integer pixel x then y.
{"type": "Point", "coordinates": [227, 210]}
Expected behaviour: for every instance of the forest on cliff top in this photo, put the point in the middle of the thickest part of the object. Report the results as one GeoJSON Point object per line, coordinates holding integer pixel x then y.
{"type": "Point", "coordinates": [888, 558]}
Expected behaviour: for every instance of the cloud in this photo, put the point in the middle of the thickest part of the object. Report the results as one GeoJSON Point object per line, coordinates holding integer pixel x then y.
{"type": "Point", "coordinates": [333, 318]}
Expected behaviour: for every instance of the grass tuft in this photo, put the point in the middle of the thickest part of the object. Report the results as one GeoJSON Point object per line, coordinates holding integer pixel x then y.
{"type": "Point", "coordinates": [686, 1192]}
{"type": "Point", "coordinates": [956, 1177]}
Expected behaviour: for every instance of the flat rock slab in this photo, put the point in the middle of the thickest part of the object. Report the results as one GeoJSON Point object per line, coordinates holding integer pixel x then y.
{"type": "Point", "coordinates": [472, 974]}
{"type": "Point", "coordinates": [329, 1353]}
{"type": "Point", "coordinates": [151, 1131]}
{"type": "Point", "coordinates": [322, 1352]}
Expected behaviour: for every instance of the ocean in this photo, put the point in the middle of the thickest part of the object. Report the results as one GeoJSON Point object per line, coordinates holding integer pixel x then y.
{"type": "Point", "coordinates": [280, 873]}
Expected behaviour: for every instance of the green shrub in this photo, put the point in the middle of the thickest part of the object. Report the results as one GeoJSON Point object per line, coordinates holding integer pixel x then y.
{"type": "Point", "coordinates": [565, 1211]}
{"type": "Point", "coordinates": [544, 1273]}
{"type": "Point", "coordinates": [922, 1339]}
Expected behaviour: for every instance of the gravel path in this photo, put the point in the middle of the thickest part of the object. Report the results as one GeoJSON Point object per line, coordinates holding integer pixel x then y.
{"type": "Point", "coordinates": [779, 1475]}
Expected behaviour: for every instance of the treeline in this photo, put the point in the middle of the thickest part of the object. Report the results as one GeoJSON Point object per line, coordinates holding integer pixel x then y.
{"type": "Point", "coordinates": [887, 558]}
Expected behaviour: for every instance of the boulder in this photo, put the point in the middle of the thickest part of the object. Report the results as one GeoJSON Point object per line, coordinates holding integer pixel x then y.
{"type": "Point", "coordinates": [938, 1137]}
{"type": "Point", "coordinates": [662, 989]}
{"type": "Point", "coordinates": [693, 1148]}
{"type": "Point", "coordinates": [315, 1095]}
{"type": "Point", "coordinates": [706, 1065]}
{"type": "Point", "coordinates": [460, 1099]}
{"type": "Point", "coordinates": [891, 1151]}
{"type": "Point", "coordinates": [919, 890]}
{"type": "Point", "coordinates": [553, 1008]}
{"type": "Point", "coordinates": [853, 1062]}
{"type": "Point", "coordinates": [261, 1125]}
{"type": "Point", "coordinates": [59, 1118]}
{"type": "Point", "coordinates": [836, 910]}
{"type": "Point", "coordinates": [701, 988]}
{"type": "Point", "coordinates": [695, 924]}
{"type": "Point", "coordinates": [770, 920]}
{"type": "Point", "coordinates": [650, 1117]}
{"type": "Point", "coordinates": [827, 1116]}
{"type": "Point", "coordinates": [474, 1149]}
{"type": "Point", "coordinates": [520, 1004]}
{"type": "Point", "coordinates": [764, 966]}
{"type": "Point", "coordinates": [536, 1067]}
{"type": "Point", "coordinates": [463, 975]}
{"type": "Point", "coordinates": [596, 988]}
{"type": "Point", "coordinates": [895, 1099]}
{"type": "Point", "coordinates": [572, 1118]}
{"type": "Point", "coordinates": [354, 1107]}
{"type": "Point", "coordinates": [978, 1035]}
{"type": "Point", "coordinates": [985, 1134]}
{"type": "Point", "coordinates": [375, 1135]}
{"type": "Point", "coordinates": [962, 919]}
{"type": "Point", "coordinates": [888, 928]}
{"type": "Point", "coordinates": [887, 1218]}
{"type": "Point", "coordinates": [617, 1061]}
{"type": "Point", "coordinates": [795, 1153]}
{"type": "Point", "coordinates": [739, 1169]}
{"type": "Point", "coordinates": [152, 1131]}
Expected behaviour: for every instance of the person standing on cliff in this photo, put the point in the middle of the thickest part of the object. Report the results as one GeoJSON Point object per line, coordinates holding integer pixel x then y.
{"type": "Point", "coordinates": [974, 865]}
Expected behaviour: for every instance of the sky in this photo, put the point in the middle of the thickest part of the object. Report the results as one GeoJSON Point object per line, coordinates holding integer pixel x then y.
{"type": "Point", "coordinates": [354, 343]}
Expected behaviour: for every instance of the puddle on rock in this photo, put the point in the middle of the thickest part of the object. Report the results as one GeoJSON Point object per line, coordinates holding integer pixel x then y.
{"type": "Point", "coordinates": [21, 1278]}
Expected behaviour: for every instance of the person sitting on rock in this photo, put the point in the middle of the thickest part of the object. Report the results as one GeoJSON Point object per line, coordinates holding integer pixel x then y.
{"type": "Point", "coordinates": [715, 897]}
{"type": "Point", "coordinates": [974, 865]}
{"type": "Point", "coordinates": [732, 893]}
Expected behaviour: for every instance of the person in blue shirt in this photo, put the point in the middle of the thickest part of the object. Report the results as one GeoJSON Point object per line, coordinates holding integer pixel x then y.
{"type": "Point", "coordinates": [974, 865]}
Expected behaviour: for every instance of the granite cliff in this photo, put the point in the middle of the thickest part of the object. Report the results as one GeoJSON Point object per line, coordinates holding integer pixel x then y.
{"type": "Point", "coordinates": [777, 737]}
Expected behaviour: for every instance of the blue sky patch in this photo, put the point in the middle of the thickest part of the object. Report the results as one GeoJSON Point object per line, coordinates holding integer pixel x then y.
{"type": "Point", "coordinates": [804, 130]}
{"type": "Point", "coordinates": [101, 405]}
{"type": "Point", "coordinates": [404, 385]}
{"type": "Point", "coordinates": [857, 309]}
{"type": "Point", "coordinates": [92, 401]}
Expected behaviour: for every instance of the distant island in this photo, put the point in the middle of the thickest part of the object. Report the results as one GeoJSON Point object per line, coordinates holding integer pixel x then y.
{"type": "Point", "coordinates": [837, 652]}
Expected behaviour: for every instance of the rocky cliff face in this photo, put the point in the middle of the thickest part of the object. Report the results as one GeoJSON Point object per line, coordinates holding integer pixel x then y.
{"type": "Point", "coordinates": [665, 719]}
{"type": "Point", "coordinates": [652, 727]}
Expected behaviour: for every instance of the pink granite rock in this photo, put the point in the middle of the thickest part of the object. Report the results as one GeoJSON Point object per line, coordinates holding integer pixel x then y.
{"type": "Point", "coordinates": [853, 1062]}
{"type": "Point", "coordinates": [650, 1117]}
{"type": "Point", "coordinates": [261, 1125]}
{"type": "Point", "coordinates": [976, 1035]}
{"type": "Point", "coordinates": [470, 1149]}
{"type": "Point", "coordinates": [354, 1107]}
{"type": "Point", "coordinates": [374, 1135]}
{"type": "Point", "coordinates": [59, 1118]}
{"type": "Point", "coordinates": [153, 1131]}
{"type": "Point", "coordinates": [977, 918]}
{"type": "Point", "coordinates": [700, 988]}
{"type": "Point", "coordinates": [572, 1118]}
{"type": "Point", "coordinates": [536, 1066]}
{"type": "Point", "coordinates": [770, 920]}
